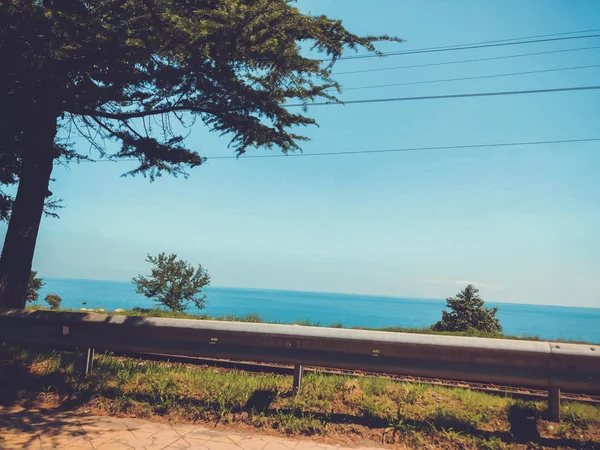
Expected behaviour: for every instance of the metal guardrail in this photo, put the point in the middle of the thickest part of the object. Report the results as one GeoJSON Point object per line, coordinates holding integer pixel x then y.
{"type": "Point", "coordinates": [540, 365]}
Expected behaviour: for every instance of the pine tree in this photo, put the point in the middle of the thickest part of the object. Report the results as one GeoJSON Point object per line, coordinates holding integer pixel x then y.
{"type": "Point", "coordinates": [468, 313]}
{"type": "Point", "coordinates": [33, 286]}
{"type": "Point", "coordinates": [140, 73]}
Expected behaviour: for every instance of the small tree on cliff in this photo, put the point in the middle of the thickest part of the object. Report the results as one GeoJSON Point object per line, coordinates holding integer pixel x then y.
{"type": "Point", "coordinates": [140, 73]}
{"type": "Point", "coordinates": [468, 313]}
{"type": "Point", "coordinates": [173, 282]}
{"type": "Point", "coordinates": [33, 286]}
{"type": "Point", "coordinates": [53, 300]}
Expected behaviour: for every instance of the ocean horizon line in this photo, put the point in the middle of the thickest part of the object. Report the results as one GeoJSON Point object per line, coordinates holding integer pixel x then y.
{"type": "Point", "coordinates": [398, 297]}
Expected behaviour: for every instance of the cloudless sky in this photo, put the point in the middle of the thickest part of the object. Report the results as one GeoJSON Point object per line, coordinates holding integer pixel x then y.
{"type": "Point", "coordinates": [522, 223]}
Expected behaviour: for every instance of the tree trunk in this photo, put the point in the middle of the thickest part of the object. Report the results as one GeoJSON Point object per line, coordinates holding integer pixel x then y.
{"type": "Point", "coordinates": [19, 243]}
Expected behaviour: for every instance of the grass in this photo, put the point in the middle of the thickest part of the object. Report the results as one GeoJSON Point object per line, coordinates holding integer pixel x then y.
{"type": "Point", "coordinates": [256, 318]}
{"type": "Point", "coordinates": [347, 409]}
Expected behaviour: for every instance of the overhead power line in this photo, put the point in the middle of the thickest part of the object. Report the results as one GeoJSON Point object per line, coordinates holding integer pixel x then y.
{"type": "Point", "coordinates": [479, 77]}
{"type": "Point", "coordinates": [412, 149]}
{"type": "Point", "coordinates": [499, 40]}
{"type": "Point", "coordinates": [468, 47]}
{"type": "Point", "coordinates": [463, 61]}
{"type": "Point", "coordinates": [594, 30]}
{"type": "Point", "coordinates": [389, 150]}
{"type": "Point", "coordinates": [447, 96]}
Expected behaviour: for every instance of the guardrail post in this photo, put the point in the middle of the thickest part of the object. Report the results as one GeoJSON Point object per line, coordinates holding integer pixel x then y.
{"type": "Point", "coordinates": [297, 378]}
{"type": "Point", "coordinates": [89, 361]}
{"type": "Point", "coordinates": [554, 404]}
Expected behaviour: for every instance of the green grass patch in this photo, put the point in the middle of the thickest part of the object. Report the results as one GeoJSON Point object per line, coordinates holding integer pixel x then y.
{"type": "Point", "coordinates": [256, 318]}
{"type": "Point", "coordinates": [350, 409]}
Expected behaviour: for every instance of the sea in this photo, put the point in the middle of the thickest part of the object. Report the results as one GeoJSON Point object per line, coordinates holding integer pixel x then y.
{"type": "Point", "coordinates": [545, 322]}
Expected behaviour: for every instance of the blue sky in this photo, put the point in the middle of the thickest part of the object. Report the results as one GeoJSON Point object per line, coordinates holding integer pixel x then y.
{"type": "Point", "coordinates": [522, 223]}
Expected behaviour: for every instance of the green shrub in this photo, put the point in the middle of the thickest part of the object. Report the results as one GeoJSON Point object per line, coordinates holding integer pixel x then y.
{"type": "Point", "coordinates": [173, 282]}
{"type": "Point", "coordinates": [468, 314]}
{"type": "Point", "coordinates": [53, 300]}
{"type": "Point", "coordinates": [33, 286]}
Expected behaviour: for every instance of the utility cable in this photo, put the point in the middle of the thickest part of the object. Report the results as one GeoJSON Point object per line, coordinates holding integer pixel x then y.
{"type": "Point", "coordinates": [479, 77]}
{"type": "Point", "coordinates": [411, 149]}
{"type": "Point", "coordinates": [466, 47]}
{"type": "Point", "coordinates": [463, 61]}
{"type": "Point", "coordinates": [391, 150]}
{"type": "Point", "coordinates": [447, 96]}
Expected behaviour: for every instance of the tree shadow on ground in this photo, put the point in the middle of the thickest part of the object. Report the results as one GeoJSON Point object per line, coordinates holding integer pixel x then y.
{"type": "Point", "coordinates": [523, 424]}
{"type": "Point", "coordinates": [51, 427]}
{"type": "Point", "coordinates": [260, 401]}
{"type": "Point", "coordinates": [17, 380]}
{"type": "Point", "coordinates": [28, 425]}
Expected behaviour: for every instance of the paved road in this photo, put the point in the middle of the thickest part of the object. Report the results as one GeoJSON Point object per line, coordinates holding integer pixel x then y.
{"type": "Point", "coordinates": [43, 429]}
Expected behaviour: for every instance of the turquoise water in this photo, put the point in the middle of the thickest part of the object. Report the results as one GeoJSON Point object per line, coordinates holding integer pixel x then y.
{"type": "Point", "coordinates": [547, 322]}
